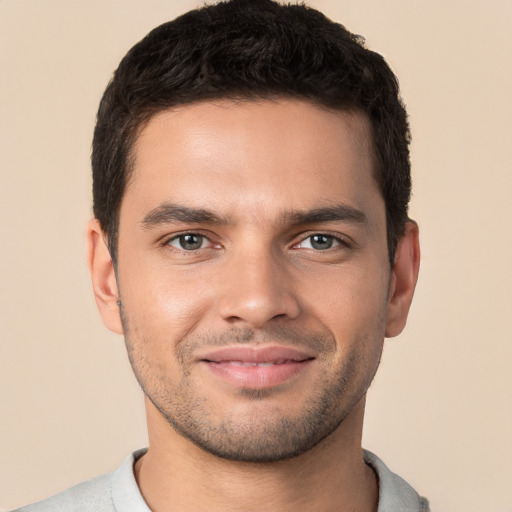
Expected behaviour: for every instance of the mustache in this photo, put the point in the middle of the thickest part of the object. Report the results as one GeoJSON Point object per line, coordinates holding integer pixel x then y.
{"type": "Point", "coordinates": [318, 341]}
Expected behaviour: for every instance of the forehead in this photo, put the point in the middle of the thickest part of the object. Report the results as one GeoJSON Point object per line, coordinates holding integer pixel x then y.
{"type": "Point", "coordinates": [284, 153]}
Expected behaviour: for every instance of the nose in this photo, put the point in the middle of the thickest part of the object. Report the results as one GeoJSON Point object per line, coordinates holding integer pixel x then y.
{"type": "Point", "coordinates": [257, 287]}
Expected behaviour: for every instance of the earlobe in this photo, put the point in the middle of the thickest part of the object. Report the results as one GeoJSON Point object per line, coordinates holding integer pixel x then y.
{"type": "Point", "coordinates": [403, 279]}
{"type": "Point", "coordinates": [103, 277]}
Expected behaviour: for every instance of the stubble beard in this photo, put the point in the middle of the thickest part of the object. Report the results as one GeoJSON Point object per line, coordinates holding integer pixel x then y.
{"type": "Point", "coordinates": [276, 437]}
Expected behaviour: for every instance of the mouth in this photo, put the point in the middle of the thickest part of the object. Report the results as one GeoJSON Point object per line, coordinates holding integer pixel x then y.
{"type": "Point", "coordinates": [256, 368]}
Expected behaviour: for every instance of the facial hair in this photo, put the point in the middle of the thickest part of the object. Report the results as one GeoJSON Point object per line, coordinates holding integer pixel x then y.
{"type": "Point", "coordinates": [268, 435]}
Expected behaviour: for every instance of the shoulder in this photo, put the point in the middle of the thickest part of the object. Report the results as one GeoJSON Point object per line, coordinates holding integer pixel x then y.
{"type": "Point", "coordinates": [92, 495]}
{"type": "Point", "coordinates": [112, 492]}
{"type": "Point", "coordinates": [395, 494]}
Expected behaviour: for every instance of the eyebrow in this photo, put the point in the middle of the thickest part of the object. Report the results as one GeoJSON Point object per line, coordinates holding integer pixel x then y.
{"type": "Point", "coordinates": [168, 213]}
{"type": "Point", "coordinates": [340, 213]}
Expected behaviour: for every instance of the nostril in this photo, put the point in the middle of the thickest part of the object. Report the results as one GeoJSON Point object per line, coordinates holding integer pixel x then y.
{"type": "Point", "coordinates": [258, 299]}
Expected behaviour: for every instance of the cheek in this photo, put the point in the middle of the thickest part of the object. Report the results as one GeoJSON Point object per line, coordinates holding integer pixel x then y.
{"type": "Point", "coordinates": [349, 298]}
{"type": "Point", "coordinates": [353, 308]}
{"type": "Point", "coordinates": [164, 304]}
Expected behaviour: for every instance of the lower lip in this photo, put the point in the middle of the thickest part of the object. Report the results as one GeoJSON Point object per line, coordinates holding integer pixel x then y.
{"type": "Point", "coordinates": [257, 377]}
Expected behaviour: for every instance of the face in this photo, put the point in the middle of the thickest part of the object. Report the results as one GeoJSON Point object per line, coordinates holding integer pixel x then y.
{"type": "Point", "coordinates": [253, 273]}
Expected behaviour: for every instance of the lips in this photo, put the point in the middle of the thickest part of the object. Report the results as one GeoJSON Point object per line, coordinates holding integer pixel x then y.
{"type": "Point", "coordinates": [256, 367]}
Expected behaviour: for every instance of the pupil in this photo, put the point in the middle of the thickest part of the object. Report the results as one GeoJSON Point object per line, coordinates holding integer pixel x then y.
{"type": "Point", "coordinates": [189, 242]}
{"type": "Point", "coordinates": [321, 242]}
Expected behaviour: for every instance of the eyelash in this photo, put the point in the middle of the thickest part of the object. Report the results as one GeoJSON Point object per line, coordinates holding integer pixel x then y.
{"type": "Point", "coordinates": [335, 238]}
{"type": "Point", "coordinates": [167, 242]}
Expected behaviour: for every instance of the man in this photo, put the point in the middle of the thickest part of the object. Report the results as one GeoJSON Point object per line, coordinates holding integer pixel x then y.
{"type": "Point", "coordinates": [251, 241]}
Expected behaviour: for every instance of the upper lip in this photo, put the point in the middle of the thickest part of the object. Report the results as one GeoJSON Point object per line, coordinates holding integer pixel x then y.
{"type": "Point", "coordinates": [255, 354]}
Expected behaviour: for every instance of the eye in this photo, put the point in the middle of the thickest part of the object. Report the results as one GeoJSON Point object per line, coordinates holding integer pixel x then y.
{"type": "Point", "coordinates": [189, 242]}
{"type": "Point", "coordinates": [319, 242]}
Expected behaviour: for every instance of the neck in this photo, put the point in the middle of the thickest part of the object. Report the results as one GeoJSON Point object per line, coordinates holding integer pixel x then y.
{"type": "Point", "coordinates": [175, 475]}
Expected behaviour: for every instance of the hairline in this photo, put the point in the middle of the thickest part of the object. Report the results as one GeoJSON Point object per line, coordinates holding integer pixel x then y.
{"type": "Point", "coordinates": [140, 122]}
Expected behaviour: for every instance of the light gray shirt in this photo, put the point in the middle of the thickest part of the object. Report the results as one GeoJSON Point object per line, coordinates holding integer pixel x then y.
{"type": "Point", "coordinates": [118, 492]}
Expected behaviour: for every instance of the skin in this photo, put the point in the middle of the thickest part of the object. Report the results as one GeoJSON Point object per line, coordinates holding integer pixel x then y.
{"type": "Point", "coordinates": [255, 278]}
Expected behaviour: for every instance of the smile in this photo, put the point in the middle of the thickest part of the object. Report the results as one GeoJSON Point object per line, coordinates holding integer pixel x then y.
{"type": "Point", "coordinates": [248, 363]}
{"type": "Point", "coordinates": [250, 367]}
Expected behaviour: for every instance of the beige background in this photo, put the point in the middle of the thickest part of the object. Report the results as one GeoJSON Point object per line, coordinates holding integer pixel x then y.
{"type": "Point", "coordinates": [440, 411]}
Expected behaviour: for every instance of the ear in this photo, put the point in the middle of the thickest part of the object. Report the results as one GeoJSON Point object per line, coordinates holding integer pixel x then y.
{"type": "Point", "coordinates": [403, 279]}
{"type": "Point", "coordinates": [103, 277]}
